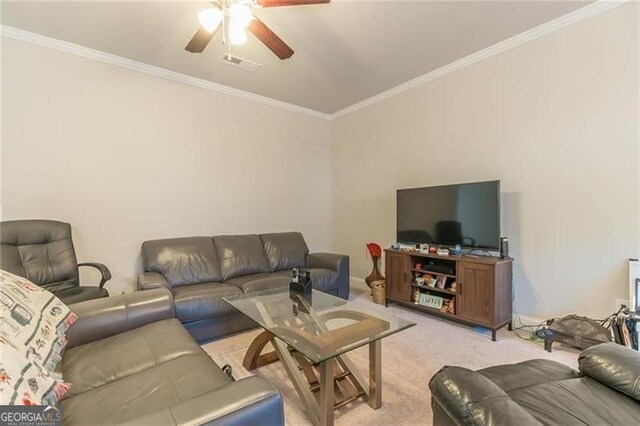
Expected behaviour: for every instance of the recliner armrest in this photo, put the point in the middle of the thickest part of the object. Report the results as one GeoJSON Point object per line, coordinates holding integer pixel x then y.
{"type": "Point", "coordinates": [468, 397]}
{"type": "Point", "coordinates": [100, 318]}
{"type": "Point", "coordinates": [249, 401]}
{"type": "Point", "coordinates": [613, 365]}
{"type": "Point", "coordinates": [335, 262]}
{"type": "Point", "coordinates": [152, 280]}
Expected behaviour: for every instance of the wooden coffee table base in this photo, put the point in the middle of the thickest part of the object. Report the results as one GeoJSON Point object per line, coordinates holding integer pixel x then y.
{"type": "Point", "coordinates": [325, 386]}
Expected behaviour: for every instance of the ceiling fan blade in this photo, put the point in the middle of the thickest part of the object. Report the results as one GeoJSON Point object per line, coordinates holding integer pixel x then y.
{"type": "Point", "coordinates": [200, 40]}
{"type": "Point", "coordinates": [276, 3]}
{"type": "Point", "coordinates": [270, 39]}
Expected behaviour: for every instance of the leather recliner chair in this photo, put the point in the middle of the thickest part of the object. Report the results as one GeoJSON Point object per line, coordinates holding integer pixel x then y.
{"type": "Point", "coordinates": [605, 391]}
{"type": "Point", "coordinates": [42, 251]}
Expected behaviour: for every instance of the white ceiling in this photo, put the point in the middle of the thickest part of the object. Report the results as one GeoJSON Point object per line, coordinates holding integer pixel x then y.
{"type": "Point", "coordinates": [345, 51]}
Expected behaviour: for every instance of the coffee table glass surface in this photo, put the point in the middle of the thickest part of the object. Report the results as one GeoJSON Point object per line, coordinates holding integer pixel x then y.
{"type": "Point", "coordinates": [319, 325]}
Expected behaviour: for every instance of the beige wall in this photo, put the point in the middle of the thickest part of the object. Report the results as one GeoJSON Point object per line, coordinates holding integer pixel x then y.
{"type": "Point", "coordinates": [555, 119]}
{"type": "Point", "coordinates": [125, 157]}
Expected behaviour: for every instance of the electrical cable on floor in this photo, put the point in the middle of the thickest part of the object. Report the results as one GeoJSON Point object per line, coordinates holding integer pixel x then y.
{"type": "Point", "coordinates": [533, 329]}
{"type": "Point", "coordinates": [530, 338]}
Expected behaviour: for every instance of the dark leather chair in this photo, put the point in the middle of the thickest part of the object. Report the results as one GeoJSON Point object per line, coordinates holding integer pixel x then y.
{"type": "Point", "coordinates": [42, 251]}
{"type": "Point", "coordinates": [605, 391]}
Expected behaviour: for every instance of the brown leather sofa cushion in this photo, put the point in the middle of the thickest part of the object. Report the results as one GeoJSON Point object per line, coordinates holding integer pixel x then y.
{"type": "Point", "coordinates": [202, 301]}
{"type": "Point", "coordinates": [144, 393]}
{"type": "Point", "coordinates": [261, 282]}
{"type": "Point", "coordinates": [614, 365]}
{"type": "Point", "coordinates": [528, 373]}
{"type": "Point", "coordinates": [130, 361]}
{"type": "Point", "coordinates": [182, 261]}
{"type": "Point", "coordinates": [321, 279]}
{"type": "Point", "coordinates": [101, 362]}
{"type": "Point", "coordinates": [478, 402]}
{"type": "Point", "coordinates": [240, 255]}
{"type": "Point", "coordinates": [285, 250]}
{"type": "Point", "coordinates": [576, 401]}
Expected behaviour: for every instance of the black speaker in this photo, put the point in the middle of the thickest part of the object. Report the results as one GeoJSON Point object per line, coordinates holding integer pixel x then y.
{"type": "Point", "coordinates": [504, 247]}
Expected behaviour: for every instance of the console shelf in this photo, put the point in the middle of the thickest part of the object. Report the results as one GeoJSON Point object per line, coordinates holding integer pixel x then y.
{"type": "Point", "coordinates": [483, 294]}
{"type": "Point", "coordinates": [424, 271]}
{"type": "Point", "coordinates": [433, 289]}
{"type": "Point", "coordinates": [430, 311]}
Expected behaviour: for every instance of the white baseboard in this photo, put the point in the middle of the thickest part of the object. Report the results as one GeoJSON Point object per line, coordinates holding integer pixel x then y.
{"type": "Point", "coordinates": [357, 279]}
{"type": "Point", "coordinates": [524, 320]}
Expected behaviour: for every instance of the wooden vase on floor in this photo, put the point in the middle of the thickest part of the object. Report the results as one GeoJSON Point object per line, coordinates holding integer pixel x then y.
{"type": "Point", "coordinates": [375, 274]}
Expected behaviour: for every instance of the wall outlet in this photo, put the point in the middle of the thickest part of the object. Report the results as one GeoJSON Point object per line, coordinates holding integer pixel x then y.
{"type": "Point", "coordinates": [620, 302]}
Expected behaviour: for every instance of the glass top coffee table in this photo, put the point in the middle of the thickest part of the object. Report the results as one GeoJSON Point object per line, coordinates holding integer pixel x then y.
{"type": "Point", "coordinates": [311, 335]}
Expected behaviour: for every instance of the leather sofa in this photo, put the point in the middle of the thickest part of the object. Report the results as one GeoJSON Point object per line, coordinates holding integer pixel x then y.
{"type": "Point", "coordinates": [605, 390]}
{"type": "Point", "coordinates": [129, 361]}
{"type": "Point", "coordinates": [200, 271]}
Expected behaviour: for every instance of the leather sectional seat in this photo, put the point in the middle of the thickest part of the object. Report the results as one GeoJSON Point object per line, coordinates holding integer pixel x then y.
{"type": "Point", "coordinates": [200, 271]}
{"type": "Point", "coordinates": [129, 361]}
{"type": "Point", "coordinates": [605, 390]}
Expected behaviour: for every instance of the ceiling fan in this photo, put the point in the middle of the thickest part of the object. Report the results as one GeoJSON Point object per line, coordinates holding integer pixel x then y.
{"type": "Point", "coordinates": [234, 17]}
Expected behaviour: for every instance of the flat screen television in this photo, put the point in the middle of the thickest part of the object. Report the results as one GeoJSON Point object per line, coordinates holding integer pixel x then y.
{"type": "Point", "coordinates": [467, 214]}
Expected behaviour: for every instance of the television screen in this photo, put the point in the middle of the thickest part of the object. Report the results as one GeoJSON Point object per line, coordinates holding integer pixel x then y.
{"type": "Point", "coordinates": [467, 214]}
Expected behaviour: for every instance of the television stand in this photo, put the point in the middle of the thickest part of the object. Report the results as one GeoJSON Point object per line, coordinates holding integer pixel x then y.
{"type": "Point", "coordinates": [481, 295]}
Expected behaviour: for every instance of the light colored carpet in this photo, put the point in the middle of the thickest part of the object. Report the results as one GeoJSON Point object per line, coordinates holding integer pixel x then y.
{"type": "Point", "coordinates": [409, 359]}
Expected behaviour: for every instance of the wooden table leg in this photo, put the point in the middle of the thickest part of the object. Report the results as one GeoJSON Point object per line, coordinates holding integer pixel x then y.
{"type": "Point", "coordinates": [375, 374]}
{"type": "Point", "coordinates": [326, 392]}
{"type": "Point", "coordinates": [321, 410]}
{"type": "Point", "coordinates": [253, 358]}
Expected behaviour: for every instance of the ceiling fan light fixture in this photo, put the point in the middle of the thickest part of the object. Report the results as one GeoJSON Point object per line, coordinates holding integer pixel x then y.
{"type": "Point", "coordinates": [210, 18]}
{"type": "Point", "coordinates": [237, 35]}
{"type": "Point", "coordinates": [240, 14]}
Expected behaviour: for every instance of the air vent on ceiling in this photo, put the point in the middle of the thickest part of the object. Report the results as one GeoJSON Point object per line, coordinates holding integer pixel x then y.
{"type": "Point", "coordinates": [243, 64]}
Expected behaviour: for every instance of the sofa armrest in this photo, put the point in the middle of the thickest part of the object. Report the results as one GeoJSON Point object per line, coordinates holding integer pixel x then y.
{"type": "Point", "coordinates": [468, 397]}
{"type": "Point", "coordinates": [335, 262]}
{"type": "Point", "coordinates": [250, 401]}
{"type": "Point", "coordinates": [152, 280]}
{"type": "Point", "coordinates": [613, 365]}
{"type": "Point", "coordinates": [100, 318]}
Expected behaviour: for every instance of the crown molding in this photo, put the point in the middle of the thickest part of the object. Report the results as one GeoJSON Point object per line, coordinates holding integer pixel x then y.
{"type": "Point", "coordinates": [108, 58]}
{"type": "Point", "coordinates": [576, 16]}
